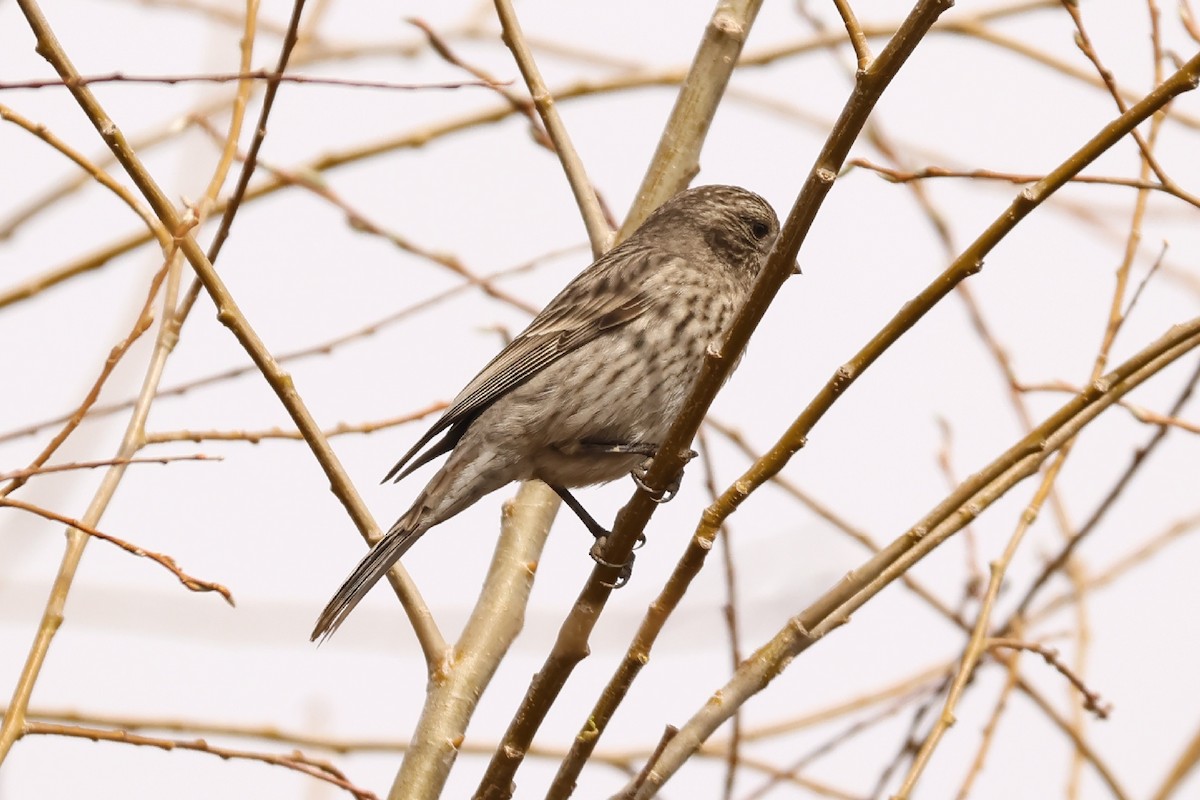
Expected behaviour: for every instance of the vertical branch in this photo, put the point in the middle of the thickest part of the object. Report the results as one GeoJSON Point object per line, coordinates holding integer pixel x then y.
{"type": "Point", "coordinates": [858, 39]}
{"type": "Point", "coordinates": [677, 159]}
{"type": "Point", "coordinates": [497, 618]}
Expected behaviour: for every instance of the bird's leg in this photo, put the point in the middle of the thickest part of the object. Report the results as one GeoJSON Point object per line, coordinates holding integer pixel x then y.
{"type": "Point", "coordinates": [598, 531]}
{"type": "Point", "coordinates": [601, 535]}
{"type": "Point", "coordinates": [594, 528]}
{"type": "Point", "coordinates": [649, 450]}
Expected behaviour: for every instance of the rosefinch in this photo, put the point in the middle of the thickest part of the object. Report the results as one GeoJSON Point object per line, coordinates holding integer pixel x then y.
{"type": "Point", "coordinates": [586, 392]}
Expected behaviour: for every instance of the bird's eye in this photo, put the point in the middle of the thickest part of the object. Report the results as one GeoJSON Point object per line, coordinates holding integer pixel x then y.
{"type": "Point", "coordinates": [760, 229]}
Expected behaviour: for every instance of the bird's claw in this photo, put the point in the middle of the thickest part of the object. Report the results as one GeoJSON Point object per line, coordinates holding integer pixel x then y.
{"type": "Point", "coordinates": [671, 489]}
{"type": "Point", "coordinates": [664, 496]}
{"type": "Point", "coordinates": [625, 571]}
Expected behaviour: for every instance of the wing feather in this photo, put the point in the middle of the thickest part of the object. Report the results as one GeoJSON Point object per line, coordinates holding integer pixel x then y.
{"type": "Point", "coordinates": [602, 298]}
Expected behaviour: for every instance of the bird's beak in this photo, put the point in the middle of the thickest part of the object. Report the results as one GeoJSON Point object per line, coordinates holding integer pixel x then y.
{"type": "Point", "coordinates": [796, 268]}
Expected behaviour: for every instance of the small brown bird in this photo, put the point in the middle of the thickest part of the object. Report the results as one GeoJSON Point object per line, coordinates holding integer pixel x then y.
{"type": "Point", "coordinates": [586, 392]}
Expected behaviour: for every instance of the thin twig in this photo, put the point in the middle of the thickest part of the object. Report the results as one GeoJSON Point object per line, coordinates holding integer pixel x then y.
{"type": "Point", "coordinates": [251, 75]}
{"type": "Point", "coordinates": [195, 584]}
{"type": "Point", "coordinates": [142, 324]}
{"type": "Point", "coordinates": [98, 174]}
{"type": "Point", "coordinates": [295, 761]}
{"type": "Point", "coordinates": [254, 437]}
{"type": "Point", "coordinates": [585, 196]}
{"type": "Point", "coordinates": [105, 462]}
{"type": "Point", "coordinates": [926, 173]}
{"type": "Point", "coordinates": [1091, 699]}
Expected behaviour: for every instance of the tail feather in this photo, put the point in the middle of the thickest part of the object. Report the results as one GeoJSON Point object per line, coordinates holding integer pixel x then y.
{"type": "Point", "coordinates": [378, 560]}
{"type": "Point", "coordinates": [458, 484]}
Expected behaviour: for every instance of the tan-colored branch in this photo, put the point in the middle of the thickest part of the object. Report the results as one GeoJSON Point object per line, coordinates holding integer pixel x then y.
{"type": "Point", "coordinates": [497, 618]}
{"type": "Point", "coordinates": [858, 39]}
{"type": "Point", "coordinates": [237, 115]}
{"type": "Point", "coordinates": [677, 159]}
{"type": "Point", "coordinates": [1179, 771]}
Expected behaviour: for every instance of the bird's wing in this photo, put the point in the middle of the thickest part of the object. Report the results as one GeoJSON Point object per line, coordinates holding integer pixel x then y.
{"type": "Point", "coordinates": [607, 295]}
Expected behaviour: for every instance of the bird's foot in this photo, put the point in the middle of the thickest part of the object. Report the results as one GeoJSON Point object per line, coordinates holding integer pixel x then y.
{"type": "Point", "coordinates": [649, 450]}
{"type": "Point", "coordinates": [625, 571]}
{"type": "Point", "coordinates": [672, 488]}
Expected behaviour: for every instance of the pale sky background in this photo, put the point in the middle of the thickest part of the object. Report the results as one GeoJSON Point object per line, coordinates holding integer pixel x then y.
{"type": "Point", "coordinates": [263, 522]}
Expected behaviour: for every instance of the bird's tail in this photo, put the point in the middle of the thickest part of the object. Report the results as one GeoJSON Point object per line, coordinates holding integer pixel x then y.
{"type": "Point", "coordinates": [375, 564]}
